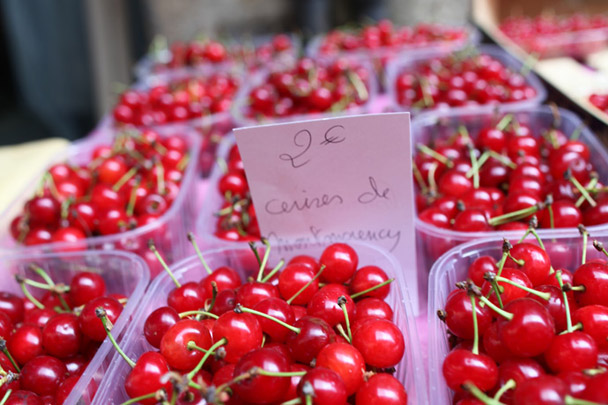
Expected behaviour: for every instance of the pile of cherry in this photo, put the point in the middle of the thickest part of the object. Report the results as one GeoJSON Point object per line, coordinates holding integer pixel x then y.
{"type": "Point", "coordinates": [177, 100]}
{"type": "Point", "coordinates": [385, 35]}
{"type": "Point", "coordinates": [541, 35]}
{"type": "Point", "coordinates": [197, 52]}
{"type": "Point", "coordinates": [316, 332]}
{"type": "Point", "coordinates": [125, 185]}
{"type": "Point", "coordinates": [236, 219]}
{"type": "Point", "coordinates": [460, 80]}
{"type": "Point", "coordinates": [525, 332]}
{"type": "Point", "coordinates": [501, 175]}
{"type": "Point", "coordinates": [47, 343]}
{"type": "Point", "coordinates": [310, 87]}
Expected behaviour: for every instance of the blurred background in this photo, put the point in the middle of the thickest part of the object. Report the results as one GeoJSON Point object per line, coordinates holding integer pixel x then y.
{"type": "Point", "coordinates": [63, 62]}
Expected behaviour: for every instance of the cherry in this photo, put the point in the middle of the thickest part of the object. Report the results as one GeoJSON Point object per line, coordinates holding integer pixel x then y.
{"type": "Point", "coordinates": [175, 344]}
{"type": "Point", "coordinates": [367, 277]}
{"type": "Point", "coordinates": [90, 325]}
{"type": "Point", "coordinates": [65, 388]}
{"type": "Point", "coordinates": [158, 323]}
{"type": "Point", "coordinates": [532, 260]}
{"type": "Point", "coordinates": [86, 286]}
{"type": "Point", "coordinates": [11, 305]}
{"type": "Point", "coordinates": [262, 389]}
{"type": "Point", "coordinates": [61, 336]}
{"type": "Point", "coordinates": [251, 293]}
{"type": "Point", "coordinates": [325, 304]}
{"type": "Point", "coordinates": [340, 261]}
{"type": "Point", "coordinates": [573, 351]}
{"type": "Point", "coordinates": [25, 343]}
{"type": "Point", "coordinates": [224, 277]}
{"type": "Point", "coordinates": [374, 308]}
{"type": "Point", "coordinates": [43, 211]}
{"type": "Point", "coordinates": [454, 183]}
{"type": "Point", "coordinates": [594, 278]}
{"type": "Point", "coordinates": [43, 374]}
{"type": "Point", "coordinates": [314, 334]}
{"type": "Point", "coordinates": [22, 397]}
{"type": "Point", "coordinates": [280, 310]}
{"type": "Point", "coordinates": [436, 217]}
{"type": "Point", "coordinates": [576, 381]}
{"type": "Point", "coordinates": [461, 366]}
{"type": "Point", "coordinates": [459, 317]}
{"type": "Point", "coordinates": [381, 388]}
{"type": "Point", "coordinates": [509, 292]}
{"type": "Point", "coordinates": [596, 389]}
{"type": "Point", "coordinates": [594, 319]}
{"type": "Point", "coordinates": [346, 361]}
{"type": "Point", "coordinates": [543, 390]}
{"type": "Point", "coordinates": [111, 170]}
{"type": "Point", "coordinates": [480, 267]}
{"type": "Point", "coordinates": [6, 325]}
{"type": "Point", "coordinates": [187, 297]}
{"type": "Point", "coordinates": [565, 215]}
{"type": "Point", "coordinates": [242, 332]}
{"type": "Point", "coordinates": [555, 304]}
{"type": "Point", "coordinates": [292, 391]}
{"type": "Point", "coordinates": [305, 260]}
{"type": "Point", "coordinates": [380, 342]}
{"type": "Point", "coordinates": [293, 278]}
{"type": "Point", "coordinates": [75, 365]}
{"type": "Point", "coordinates": [518, 370]}
{"type": "Point", "coordinates": [146, 377]}
{"type": "Point", "coordinates": [224, 302]}
{"type": "Point", "coordinates": [324, 386]}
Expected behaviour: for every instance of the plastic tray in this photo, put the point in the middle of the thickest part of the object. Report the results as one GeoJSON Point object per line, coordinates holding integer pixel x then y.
{"type": "Point", "coordinates": [169, 232]}
{"type": "Point", "coordinates": [408, 62]}
{"type": "Point", "coordinates": [453, 267]}
{"type": "Point", "coordinates": [240, 102]}
{"type": "Point", "coordinates": [432, 241]}
{"type": "Point", "coordinates": [124, 273]}
{"type": "Point", "coordinates": [409, 371]}
{"type": "Point", "coordinates": [472, 38]}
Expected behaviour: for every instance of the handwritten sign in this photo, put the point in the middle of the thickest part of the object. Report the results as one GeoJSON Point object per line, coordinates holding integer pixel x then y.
{"type": "Point", "coordinates": [335, 180]}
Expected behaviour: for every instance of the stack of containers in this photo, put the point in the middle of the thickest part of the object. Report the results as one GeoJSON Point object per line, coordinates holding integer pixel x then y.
{"type": "Point", "coordinates": [123, 273]}
{"type": "Point", "coordinates": [410, 371]}
{"type": "Point", "coordinates": [169, 231]}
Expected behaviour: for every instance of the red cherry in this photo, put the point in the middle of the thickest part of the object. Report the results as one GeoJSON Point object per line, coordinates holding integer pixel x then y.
{"type": "Point", "coordinates": [174, 344]}
{"type": "Point", "coordinates": [44, 211]}
{"type": "Point", "coordinates": [324, 386]}
{"type": "Point", "coordinates": [146, 377]}
{"type": "Point", "coordinates": [536, 263]}
{"type": "Point", "coordinates": [188, 297]}
{"type": "Point", "coordinates": [225, 278]}
{"type": "Point", "coordinates": [346, 361]}
{"type": "Point", "coordinates": [325, 304]}
{"type": "Point", "coordinates": [12, 306]}
{"type": "Point", "coordinates": [158, 323]}
{"type": "Point", "coordinates": [381, 388]}
{"type": "Point", "coordinates": [555, 304]}
{"type": "Point", "coordinates": [278, 309]}
{"type": "Point", "coordinates": [86, 286]}
{"type": "Point", "coordinates": [594, 277]}
{"type": "Point", "coordinates": [480, 267]}
{"type": "Point", "coordinates": [293, 278]}
{"type": "Point", "coordinates": [374, 308]}
{"type": "Point", "coordinates": [61, 336]}
{"type": "Point", "coordinates": [43, 374]}
{"type": "Point", "coordinates": [249, 294]}
{"type": "Point", "coordinates": [25, 343]}
{"type": "Point", "coordinates": [242, 331]}
{"type": "Point", "coordinates": [65, 388]}
{"type": "Point", "coordinates": [454, 183]}
{"type": "Point", "coordinates": [461, 366]}
{"type": "Point", "coordinates": [573, 351]}
{"type": "Point", "coordinates": [543, 390]}
{"type": "Point", "coordinates": [261, 389]}
{"type": "Point", "coordinates": [531, 329]}
{"type": "Point", "coordinates": [596, 389]}
{"type": "Point", "coordinates": [22, 397]}
{"type": "Point", "coordinates": [314, 334]}
{"type": "Point", "coordinates": [91, 325]}
{"type": "Point", "coordinates": [368, 277]}
{"type": "Point", "coordinates": [509, 292]}
{"type": "Point", "coordinates": [380, 342]}
{"type": "Point", "coordinates": [459, 315]}
{"type": "Point", "coordinates": [519, 370]}
{"type": "Point", "coordinates": [111, 170]}
{"type": "Point", "coordinates": [595, 323]}
{"type": "Point", "coordinates": [340, 261]}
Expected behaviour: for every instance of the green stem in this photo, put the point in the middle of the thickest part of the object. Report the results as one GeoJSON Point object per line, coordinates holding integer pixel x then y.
{"type": "Point", "coordinates": [582, 190]}
{"type": "Point", "coordinates": [101, 314]}
{"type": "Point", "coordinates": [480, 162]}
{"type": "Point", "coordinates": [431, 174]}
{"type": "Point", "coordinates": [435, 155]}
{"type": "Point", "coordinates": [274, 271]}
{"type": "Point", "coordinates": [133, 198]}
{"type": "Point", "coordinates": [264, 260]}
{"type": "Point", "coordinates": [499, 311]}
{"type": "Point", "coordinates": [358, 84]}
{"type": "Point", "coordinates": [301, 290]}
{"type": "Point", "coordinates": [160, 178]}
{"type": "Point", "coordinates": [496, 289]}
{"type": "Point", "coordinates": [360, 293]}
{"type": "Point", "coordinates": [240, 308]}
{"type": "Point", "coordinates": [190, 313]}
{"type": "Point", "coordinates": [570, 400]}
{"type": "Point", "coordinates": [200, 364]}
{"type": "Point", "coordinates": [418, 177]}
{"type": "Point", "coordinates": [474, 164]}
{"type": "Point", "coordinates": [163, 263]}
{"type": "Point", "coordinates": [139, 399]}
{"type": "Point", "coordinates": [504, 122]}
{"type": "Point", "coordinates": [509, 385]}
{"type": "Point", "coordinates": [513, 215]}
{"type": "Point", "coordinates": [27, 294]}
{"type": "Point", "coordinates": [342, 303]}
{"type": "Point", "coordinates": [6, 395]}
{"type": "Point", "coordinates": [8, 354]}
{"type": "Point", "coordinates": [295, 401]}
{"type": "Point", "coordinates": [125, 177]}
{"type": "Point", "coordinates": [585, 240]}
{"type": "Point", "coordinates": [261, 371]}
{"type": "Point", "coordinates": [544, 295]}
{"type": "Point", "coordinates": [558, 275]}
{"type": "Point", "coordinates": [343, 333]}
{"type": "Point", "coordinates": [475, 326]}
{"type": "Point", "coordinates": [480, 395]}
{"type": "Point", "coordinates": [502, 159]}
{"type": "Point", "coordinates": [36, 284]}
{"type": "Point", "coordinates": [192, 346]}
{"type": "Point", "coordinates": [192, 240]}
{"type": "Point", "coordinates": [255, 252]}
{"type": "Point", "coordinates": [40, 271]}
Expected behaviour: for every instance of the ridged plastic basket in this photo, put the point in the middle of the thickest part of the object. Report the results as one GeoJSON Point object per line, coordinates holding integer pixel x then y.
{"type": "Point", "coordinates": [169, 232]}
{"type": "Point", "coordinates": [410, 371]}
{"type": "Point", "coordinates": [432, 241]}
{"type": "Point", "coordinates": [123, 273]}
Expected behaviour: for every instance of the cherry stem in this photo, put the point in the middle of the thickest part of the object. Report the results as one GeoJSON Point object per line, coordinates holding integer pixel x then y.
{"type": "Point", "coordinates": [133, 198]}
{"type": "Point", "coordinates": [192, 240]}
{"type": "Point", "coordinates": [358, 84]}
{"type": "Point", "coordinates": [495, 287]}
{"type": "Point", "coordinates": [214, 293]}
{"type": "Point", "coordinates": [65, 207]}
{"type": "Point", "coordinates": [40, 271]}
{"type": "Point", "coordinates": [343, 333]}
{"type": "Point", "coordinates": [140, 398]}
{"type": "Point", "coordinates": [550, 136]}
{"type": "Point", "coordinates": [36, 284]}
{"type": "Point", "coordinates": [585, 235]}
{"type": "Point", "coordinates": [21, 280]}
{"type": "Point", "coordinates": [599, 246]}
{"type": "Point", "coordinates": [342, 304]}
{"type": "Point", "coordinates": [570, 400]}
{"type": "Point", "coordinates": [125, 177]}
{"type": "Point", "coordinates": [264, 260]}
{"type": "Point", "coordinates": [514, 215]}
{"type": "Point", "coordinates": [577, 132]}
{"type": "Point", "coordinates": [464, 132]}
{"type": "Point", "coordinates": [6, 395]}
{"type": "Point", "coordinates": [537, 236]}
{"type": "Point", "coordinates": [475, 325]}
{"type": "Point", "coordinates": [519, 262]}
{"type": "Point", "coordinates": [191, 345]}
{"type": "Point", "coordinates": [499, 311]}
{"type": "Point", "coordinates": [152, 247]}
{"type": "Point", "coordinates": [581, 189]}
{"type": "Point", "coordinates": [274, 271]}
{"type": "Point", "coordinates": [301, 290]}
{"type": "Point", "coordinates": [428, 100]}
{"type": "Point", "coordinates": [418, 177]}
{"type": "Point", "coordinates": [239, 308]}
{"type": "Point", "coordinates": [103, 317]}
{"type": "Point", "coordinates": [578, 326]}
{"type": "Point", "coordinates": [474, 165]}
{"type": "Point", "coordinates": [160, 178]}
{"type": "Point", "coordinates": [295, 401]}
{"type": "Point", "coordinates": [480, 162]}
{"type": "Point", "coordinates": [435, 155]}
{"type": "Point", "coordinates": [504, 122]}
{"type": "Point", "coordinates": [200, 364]}
{"type": "Point", "coordinates": [590, 186]}
{"type": "Point", "coordinates": [544, 295]}
{"type": "Point", "coordinates": [360, 293]}
{"type": "Point", "coordinates": [431, 175]}
{"type": "Point", "coordinates": [181, 165]}
{"type": "Point", "coordinates": [480, 395]}
{"type": "Point", "coordinates": [308, 399]}
{"type": "Point", "coordinates": [255, 252]}
{"type": "Point", "coordinates": [558, 276]}
{"type": "Point", "coordinates": [260, 371]}
{"type": "Point", "coordinates": [509, 385]}
{"type": "Point", "coordinates": [8, 354]}
{"type": "Point", "coordinates": [190, 313]}
{"type": "Point", "coordinates": [502, 159]}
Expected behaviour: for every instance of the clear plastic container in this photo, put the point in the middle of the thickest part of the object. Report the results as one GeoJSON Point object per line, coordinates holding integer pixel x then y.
{"type": "Point", "coordinates": [409, 62]}
{"type": "Point", "coordinates": [410, 371]}
{"type": "Point", "coordinates": [432, 241]}
{"type": "Point", "coordinates": [124, 273]}
{"type": "Point", "coordinates": [241, 101]}
{"type": "Point", "coordinates": [565, 249]}
{"type": "Point", "coordinates": [169, 232]}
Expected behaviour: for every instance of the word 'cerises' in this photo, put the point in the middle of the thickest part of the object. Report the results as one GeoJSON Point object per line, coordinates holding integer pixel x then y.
{"type": "Point", "coordinates": [303, 140]}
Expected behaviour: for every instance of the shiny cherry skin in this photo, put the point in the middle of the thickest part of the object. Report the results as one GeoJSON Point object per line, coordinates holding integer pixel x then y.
{"type": "Point", "coordinates": [594, 277]}
{"type": "Point", "coordinates": [25, 343]}
{"type": "Point", "coordinates": [188, 297]}
{"type": "Point", "coordinates": [146, 377]}
{"type": "Point", "coordinates": [340, 261]}
{"type": "Point", "coordinates": [519, 370]}
{"type": "Point", "coordinates": [158, 323]}
{"type": "Point", "coordinates": [12, 305]}
{"type": "Point", "coordinates": [249, 294]}
{"type": "Point", "coordinates": [324, 385]}
{"type": "Point", "coordinates": [174, 344]}
{"type": "Point", "coordinates": [510, 292]}
{"type": "Point", "coordinates": [461, 366]}
{"type": "Point", "coordinates": [324, 304]}
{"type": "Point", "coordinates": [346, 361]}
{"type": "Point", "coordinates": [380, 342]}
{"type": "Point", "coordinates": [292, 391]}
{"type": "Point", "coordinates": [480, 267]}
{"type": "Point", "coordinates": [436, 217]}
{"type": "Point", "coordinates": [555, 304]}
{"type": "Point", "coordinates": [543, 390]}
{"type": "Point", "coordinates": [576, 381]}
{"type": "Point", "coordinates": [43, 374]}
{"type": "Point", "coordinates": [86, 286]}
{"type": "Point", "coordinates": [459, 315]}
{"type": "Point", "coordinates": [91, 325]}
{"type": "Point", "coordinates": [293, 278]}
{"type": "Point", "coordinates": [565, 215]}
{"type": "Point", "coordinates": [306, 260]}
{"type": "Point", "coordinates": [314, 334]}
{"type": "Point", "coordinates": [242, 331]}
{"type": "Point", "coordinates": [381, 388]}
{"type": "Point", "coordinates": [367, 277]}
{"type": "Point", "coordinates": [224, 302]}
{"type": "Point", "coordinates": [61, 336]}
{"type": "Point", "coordinates": [471, 220]}
{"type": "Point", "coordinates": [278, 309]}
{"type": "Point", "coordinates": [373, 307]}
{"type": "Point", "coordinates": [494, 346]}
{"type": "Point", "coordinates": [596, 389]}
{"type": "Point", "coordinates": [531, 329]}
{"type": "Point", "coordinates": [23, 397]}
{"type": "Point", "coordinates": [76, 364]}
{"type": "Point", "coordinates": [574, 351]}
{"type": "Point", "coordinates": [6, 325]}
{"type": "Point", "coordinates": [595, 323]}
{"type": "Point", "coordinates": [65, 388]}
{"type": "Point", "coordinates": [44, 211]}
{"type": "Point", "coordinates": [225, 279]}
{"type": "Point", "coordinates": [536, 263]}
{"type": "Point", "coordinates": [262, 389]}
